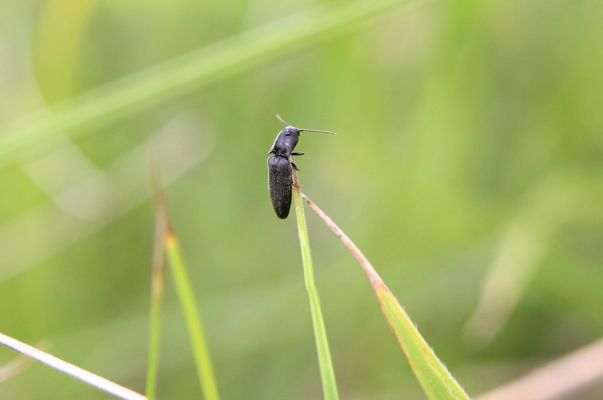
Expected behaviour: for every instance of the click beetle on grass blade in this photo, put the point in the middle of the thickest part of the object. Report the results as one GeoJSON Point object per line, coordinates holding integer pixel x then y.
{"type": "Point", "coordinates": [280, 164]}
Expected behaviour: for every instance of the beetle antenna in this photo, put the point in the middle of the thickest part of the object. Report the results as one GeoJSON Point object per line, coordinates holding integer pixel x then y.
{"type": "Point", "coordinates": [304, 129]}
{"type": "Point", "coordinates": [316, 130]}
{"type": "Point", "coordinates": [282, 120]}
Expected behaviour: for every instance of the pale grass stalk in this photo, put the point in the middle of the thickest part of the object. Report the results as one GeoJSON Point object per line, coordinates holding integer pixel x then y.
{"type": "Point", "coordinates": [69, 369]}
{"type": "Point", "coordinates": [557, 379]}
{"type": "Point", "coordinates": [157, 289]}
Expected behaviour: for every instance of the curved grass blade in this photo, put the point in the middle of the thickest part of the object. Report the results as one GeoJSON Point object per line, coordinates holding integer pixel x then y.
{"type": "Point", "coordinates": [435, 379]}
{"type": "Point", "coordinates": [327, 374]}
{"type": "Point", "coordinates": [176, 78]}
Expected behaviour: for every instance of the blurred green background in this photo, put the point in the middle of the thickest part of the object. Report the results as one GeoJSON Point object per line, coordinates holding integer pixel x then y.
{"type": "Point", "coordinates": [469, 150]}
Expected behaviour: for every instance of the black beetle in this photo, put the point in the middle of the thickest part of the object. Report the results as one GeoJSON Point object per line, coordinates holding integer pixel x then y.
{"type": "Point", "coordinates": [280, 164]}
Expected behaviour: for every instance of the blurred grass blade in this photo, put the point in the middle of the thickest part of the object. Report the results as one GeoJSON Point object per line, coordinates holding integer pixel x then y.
{"type": "Point", "coordinates": [560, 378]}
{"type": "Point", "coordinates": [70, 369]}
{"type": "Point", "coordinates": [61, 29]}
{"type": "Point", "coordinates": [555, 201]}
{"type": "Point", "coordinates": [327, 374]}
{"type": "Point", "coordinates": [188, 301]}
{"type": "Point", "coordinates": [14, 368]}
{"type": "Point", "coordinates": [435, 379]}
{"type": "Point", "coordinates": [176, 78]}
{"type": "Point", "coordinates": [157, 288]}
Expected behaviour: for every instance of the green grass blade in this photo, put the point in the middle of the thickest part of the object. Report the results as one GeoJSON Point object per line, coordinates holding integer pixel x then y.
{"type": "Point", "coordinates": [188, 302]}
{"type": "Point", "coordinates": [436, 380]}
{"type": "Point", "coordinates": [176, 78]}
{"type": "Point", "coordinates": [327, 374]}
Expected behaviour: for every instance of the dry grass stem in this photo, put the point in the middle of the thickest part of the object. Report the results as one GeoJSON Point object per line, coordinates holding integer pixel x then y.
{"type": "Point", "coordinates": [70, 369]}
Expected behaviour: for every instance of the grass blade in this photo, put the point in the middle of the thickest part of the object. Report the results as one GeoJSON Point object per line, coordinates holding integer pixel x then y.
{"type": "Point", "coordinates": [69, 369]}
{"type": "Point", "coordinates": [176, 78]}
{"type": "Point", "coordinates": [435, 379]}
{"type": "Point", "coordinates": [188, 302]}
{"type": "Point", "coordinates": [186, 294]}
{"type": "Point", "coordinates": [327, 374]}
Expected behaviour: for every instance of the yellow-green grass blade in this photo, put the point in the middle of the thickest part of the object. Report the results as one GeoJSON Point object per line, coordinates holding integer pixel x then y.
{"type": "Point", "coordinates": [434, 377]}
{"type": "Point", "coordinates": [436, 380]}
{"type": "Point", "coordinates": [171, 80]}
{"type": "Point", "coordinates": [327, 374]}
{"type": "Point", "coordinates": [184, 288]}
{"type": "Point", "coordinates": [192, 316]}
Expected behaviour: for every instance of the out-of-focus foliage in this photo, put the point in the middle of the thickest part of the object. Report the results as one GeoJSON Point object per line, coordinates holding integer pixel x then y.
{"type": "Point", "coordinates": [470, 136]}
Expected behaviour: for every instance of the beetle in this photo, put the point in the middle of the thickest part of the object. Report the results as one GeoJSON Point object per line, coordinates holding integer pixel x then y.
{"type": "Point", "coordinates": [280, 163]}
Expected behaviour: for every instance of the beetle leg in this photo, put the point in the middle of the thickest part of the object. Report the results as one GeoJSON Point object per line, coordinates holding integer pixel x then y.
{"type": "Point", "coordinates": [295, 153]}
{"type": "Point", "coordinates": [294, 166]}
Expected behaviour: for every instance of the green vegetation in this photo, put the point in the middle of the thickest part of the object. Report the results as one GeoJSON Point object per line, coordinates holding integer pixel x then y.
{"type": "Point", "coordinates": [467, 167]}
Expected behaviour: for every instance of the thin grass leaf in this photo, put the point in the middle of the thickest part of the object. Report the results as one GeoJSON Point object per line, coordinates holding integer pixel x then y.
{"type": "Point", "coordinates": [435, 379]}
{"type": "Point", "coordinates": [188, 301]}
{"type": "Point", "coordinates": [69, 369]}
{"type": "Point", "coordinates": [176, 78]}
{"type": "Point", "coordinates": [327, 374]}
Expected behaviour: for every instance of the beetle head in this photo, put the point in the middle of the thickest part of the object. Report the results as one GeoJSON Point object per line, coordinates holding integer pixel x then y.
{"type": "Point", "coordinates": [291, 131]}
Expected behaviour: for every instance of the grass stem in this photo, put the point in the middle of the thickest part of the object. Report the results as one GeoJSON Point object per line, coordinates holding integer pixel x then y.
{"type": "Point", "coordinates": [157, 289]}
{"type": "Point", "coordinates": [327, 374]}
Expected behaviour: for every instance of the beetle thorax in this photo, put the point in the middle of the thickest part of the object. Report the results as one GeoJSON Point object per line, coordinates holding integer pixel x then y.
{"type": "Point", "coordinates": [285, 141]}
